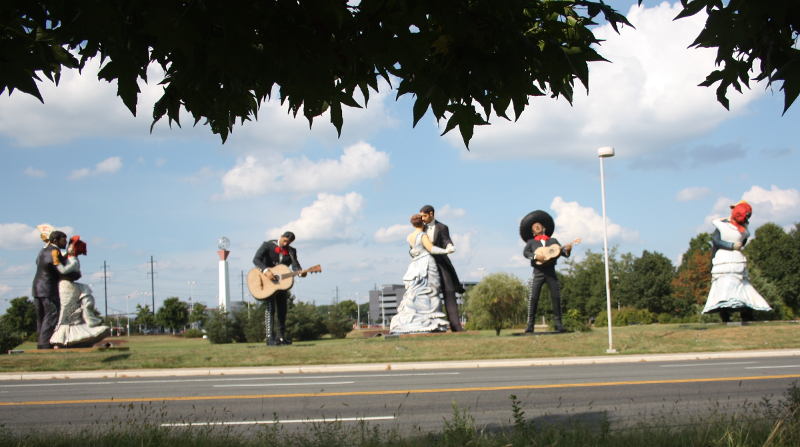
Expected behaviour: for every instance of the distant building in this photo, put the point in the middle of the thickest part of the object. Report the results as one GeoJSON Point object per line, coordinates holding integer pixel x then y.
{"type": "Point", "coordinates": [383, 303]}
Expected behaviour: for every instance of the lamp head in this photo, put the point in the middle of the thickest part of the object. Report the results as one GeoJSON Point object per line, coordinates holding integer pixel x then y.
{"type": "Point", "coordinates": [224, 243]}
{"type": "Point", "coordinates": [605, 152]}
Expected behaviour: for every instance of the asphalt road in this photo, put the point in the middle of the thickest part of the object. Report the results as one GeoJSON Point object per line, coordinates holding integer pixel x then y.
{"type": "Point", "coordinates": [410, 400]}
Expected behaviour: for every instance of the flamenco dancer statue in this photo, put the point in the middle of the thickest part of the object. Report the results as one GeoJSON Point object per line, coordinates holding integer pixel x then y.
{"type": "Point", "coordinates": [419, 310]}
{"type": "Point", "coordinates": [730, 283]}
{"type": "Point", "coordinates": [79, 323]}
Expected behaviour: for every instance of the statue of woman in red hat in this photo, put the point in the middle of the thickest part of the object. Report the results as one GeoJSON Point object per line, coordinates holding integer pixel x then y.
{"type": "Point", "coordinates": [730, 283]}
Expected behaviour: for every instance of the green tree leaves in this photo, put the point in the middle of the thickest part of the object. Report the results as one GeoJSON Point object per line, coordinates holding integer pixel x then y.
{"type": "Point", "coordinates": [750, 36]}
{"type": "Point", "coordinates": [497, 302]}
{"type": "Point", "coordinates": [221, 63]}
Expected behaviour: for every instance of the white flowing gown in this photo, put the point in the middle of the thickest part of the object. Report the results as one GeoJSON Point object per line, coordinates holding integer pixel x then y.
{"type": "Point", "coordinates": [419, 310]}
{"type": "Point", "coordinates": [730, 282]}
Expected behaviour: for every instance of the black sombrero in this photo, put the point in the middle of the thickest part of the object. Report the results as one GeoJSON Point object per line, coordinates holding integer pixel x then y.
{"type": "Point", "coordinates": [525, 231]}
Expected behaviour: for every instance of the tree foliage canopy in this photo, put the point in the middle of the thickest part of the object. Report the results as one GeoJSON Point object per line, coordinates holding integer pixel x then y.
{"type": "Point", "coordinates": [463, 60]}
{"type": "Point", "coordinates": [222, 60]}
{"type": "Point", "coordinates": [497, 302]}
{"type": "Point", "coordinates": [750, 36]}
{"type": "Point", "coordinates": [173, 314]}
{"type": "Point", "coordinates": [21, 315]}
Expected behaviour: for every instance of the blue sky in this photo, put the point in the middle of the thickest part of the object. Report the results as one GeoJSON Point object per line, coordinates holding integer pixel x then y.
{"type": "Point", "coordinates": [82, 163]}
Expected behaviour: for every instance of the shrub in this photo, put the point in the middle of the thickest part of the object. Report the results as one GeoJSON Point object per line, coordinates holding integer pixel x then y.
{"type": "Point", "coordinates": [338, 323]}
{"type": "Point", "coordinates": [251, 323]}
{"type": "Point", "coordinates": [9, 338]}
{"type": "Point", "coordinates": [304, 322]}
{"type": "Point", "coordinates": [573, 321]}
{"type": "Point", "coordinates": [625, 317]}
{"type": "Point", "coordinates": [219, 327]}
{"type": "Point", "coordinates": [193, 333]}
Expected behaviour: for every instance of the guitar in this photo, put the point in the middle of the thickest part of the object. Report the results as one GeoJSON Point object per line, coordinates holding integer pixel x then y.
{"type": "Point", "coordinates": [544, 254]}
{"type": "Point", "coordinates": [261, 287]}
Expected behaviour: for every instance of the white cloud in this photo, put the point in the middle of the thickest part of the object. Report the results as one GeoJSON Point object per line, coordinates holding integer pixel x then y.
{"type": "Point", "coordinates": [18, 269]}
{"type": "Point", "coordinates": [253, 176]}
{"type": "Point", "coordinates": [692, 193]}
{"type": "Point", "coordinates": [108, 166]}
{"type": "Point", "coordinates": [81, 106]}
{"type": "Point", "coordinates": [645, 100]}
{"type": "Point", "coordinates": [780, 206]}
{"type": "Point", "coordinates": [393, 233]}
{"type": "Point", "coordinates": [33, 172]}
{"type": "Point", "coordinates": [79, 173]}
{"type": "Point", "coordinates": [18, 236]}
{"type": "Point", "coordinates": [447, 212]}
{"type": "Point", "coordinates": [463, 244]}
{"type": "Point", "coordinates": [575, 221]}
{"type": "Point", "coordinates": [4, 289]}
{"type": "Point", "coordinates": [329, 218]}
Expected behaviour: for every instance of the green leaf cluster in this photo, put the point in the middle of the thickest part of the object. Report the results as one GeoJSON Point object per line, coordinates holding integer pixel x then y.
{"type": "Point", "coordinates": [752, 38]}
{"type": "Point", "coordinates": [497, 302]}
{"type": "Point", "coordinates": [463, 60]}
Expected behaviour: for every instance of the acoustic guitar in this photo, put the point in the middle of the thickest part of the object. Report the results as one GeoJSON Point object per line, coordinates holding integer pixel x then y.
{"type": "Point", "coordinates": [261, 287]}
{"type": "Point", "coordinates": [544, 254]}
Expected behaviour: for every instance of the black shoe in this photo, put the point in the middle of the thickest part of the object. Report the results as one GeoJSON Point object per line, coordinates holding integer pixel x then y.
{"type": "Point", "coordinates": [283, 340]}
{"type": "Point", "coordinates": [44, 346]}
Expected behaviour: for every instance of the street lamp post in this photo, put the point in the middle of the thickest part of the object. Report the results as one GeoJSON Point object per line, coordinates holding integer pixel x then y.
{"type": "Point", "coordinates": [603, 153]}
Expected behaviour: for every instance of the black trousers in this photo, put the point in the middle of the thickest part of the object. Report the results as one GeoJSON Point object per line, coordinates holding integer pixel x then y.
{"type": "Point", "coordinates": [539, 279]}
{"type": "Point", "coordinates": [47, 308]}
{"type": "Point", "coordinates": [278, 304]}
{"type": "Point", "coordinates": [450, 303]}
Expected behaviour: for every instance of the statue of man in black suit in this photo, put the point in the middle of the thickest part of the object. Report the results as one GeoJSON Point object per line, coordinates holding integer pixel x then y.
{"type": "Point", "coordinates": [49, 266]}
{"type": "Point", "coordinates": [270, 254]}
{"type": "Point", "coordinates": [439, 234]}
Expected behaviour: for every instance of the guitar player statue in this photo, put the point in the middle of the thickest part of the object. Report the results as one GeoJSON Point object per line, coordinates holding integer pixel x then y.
{"type": "Point", "coordinates": [536, 229]}
{"type": "Point", "coordinates": [270, 254]}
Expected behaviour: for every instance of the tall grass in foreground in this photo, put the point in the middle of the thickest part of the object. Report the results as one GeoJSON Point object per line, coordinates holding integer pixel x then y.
{"type": "Point", "coordinates": [766, 424]}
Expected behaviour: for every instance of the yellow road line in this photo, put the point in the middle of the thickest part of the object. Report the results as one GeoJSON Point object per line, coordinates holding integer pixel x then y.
{"type": "Point", "coordinates": [390, 392]}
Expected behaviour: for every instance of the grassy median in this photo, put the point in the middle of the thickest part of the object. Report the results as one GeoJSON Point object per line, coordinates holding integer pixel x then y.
{"type": "Point", "coordinates": [178, 352]}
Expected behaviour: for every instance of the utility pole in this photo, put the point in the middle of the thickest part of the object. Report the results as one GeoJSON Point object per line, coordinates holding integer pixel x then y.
{"type": "Point", "coordinates": [152, 287]}
{"type": "Point", "coordinates": [242, 285]}
{"type": "Point", "coordinates": [105, 287]}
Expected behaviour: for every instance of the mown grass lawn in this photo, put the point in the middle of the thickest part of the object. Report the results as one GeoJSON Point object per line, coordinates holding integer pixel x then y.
{"type": "Point", "coordinates": [178, 352]}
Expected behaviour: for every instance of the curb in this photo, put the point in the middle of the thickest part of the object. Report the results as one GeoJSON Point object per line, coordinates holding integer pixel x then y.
{"type": "Point", "coordinates": [403, 366]}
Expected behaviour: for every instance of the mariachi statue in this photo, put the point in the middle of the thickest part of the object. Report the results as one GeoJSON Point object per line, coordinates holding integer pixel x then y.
{"type": "Point", "coordinates": [730, 283]}
{"type": "Point", "coordinates": [536, 229]}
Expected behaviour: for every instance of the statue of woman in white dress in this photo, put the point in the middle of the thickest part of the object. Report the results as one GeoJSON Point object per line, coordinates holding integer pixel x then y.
{"type": "Point", "coordinates": [419, 310]}
{"type": "Point", "coordinates": [79, 323]}
{"type": "Point", "coordinates": [730, 283]}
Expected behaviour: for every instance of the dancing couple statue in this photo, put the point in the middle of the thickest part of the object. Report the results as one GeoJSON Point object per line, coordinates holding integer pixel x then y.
{"type": "Point", "coordinates": [65, 310]}
{"type": "Point", "coordinates": [429, 274]}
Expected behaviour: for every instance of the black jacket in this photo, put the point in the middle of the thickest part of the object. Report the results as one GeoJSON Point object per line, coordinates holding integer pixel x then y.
{"type": "Point", "coordinates": [266, 256]}
{"type": "Point", "coordinates": [45, 282]}
{"type": "Point", "coordinates": [530, 249]}
{"type": "Point", "coordinates": [441, 238]}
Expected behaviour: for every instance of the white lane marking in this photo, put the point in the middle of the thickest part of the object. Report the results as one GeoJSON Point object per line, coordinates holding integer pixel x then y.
{"type": "Point", "coordinates": [54, 384]}
{"type": "Point", "coordinates": [771, 367]}
{"type": "Point", "coordinates": [228, 379]}
{"type": "Point", "coordinates": [288, 421]}
{"type": "Point", "coordinates": [706, 364]}
{"type": "Point", "coordinates": [283, 384]}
